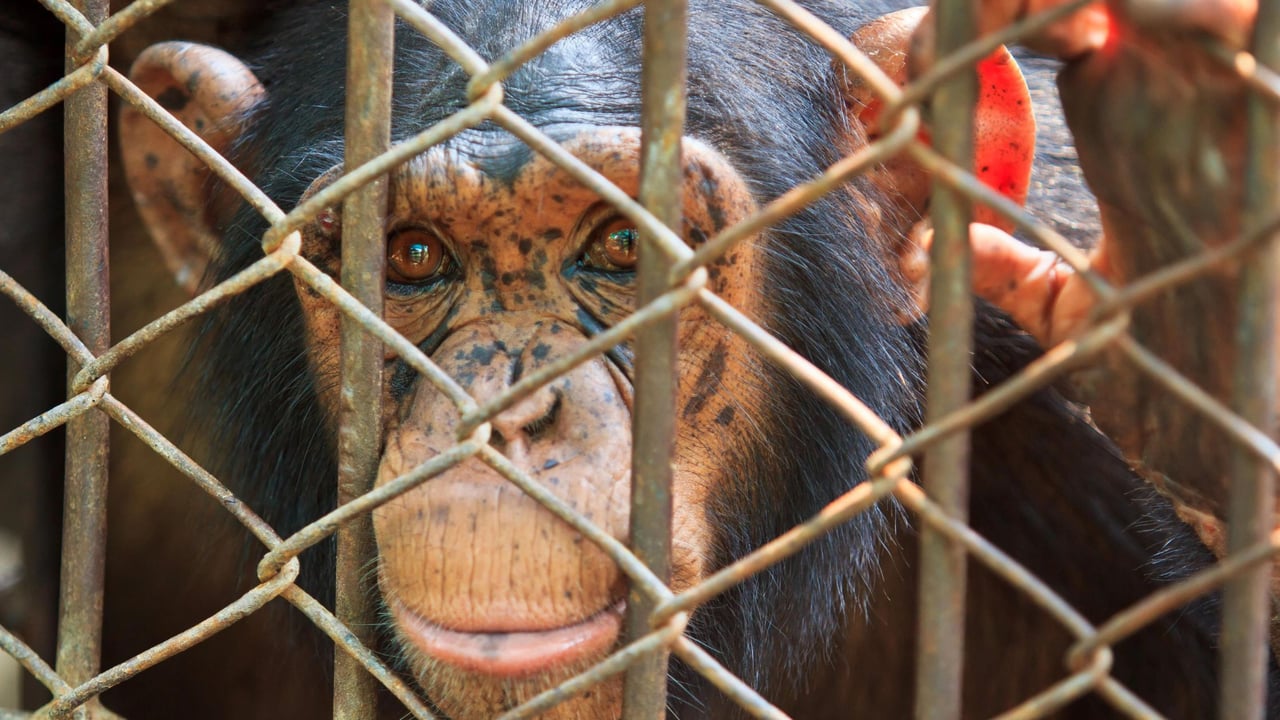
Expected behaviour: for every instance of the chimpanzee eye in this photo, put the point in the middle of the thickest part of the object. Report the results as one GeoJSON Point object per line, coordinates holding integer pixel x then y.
{"type": "Point", "coordinates": [613, 246]}
{"type": "Point", "coordinates": [416, 256]}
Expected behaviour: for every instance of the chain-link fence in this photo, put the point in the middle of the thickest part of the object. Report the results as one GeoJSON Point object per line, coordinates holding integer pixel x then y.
{"type": "Point", "coordinates": [672, 277]}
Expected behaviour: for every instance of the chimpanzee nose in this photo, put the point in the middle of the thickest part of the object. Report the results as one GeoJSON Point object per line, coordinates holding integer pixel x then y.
{"type": "Point", "coordinates": [536, 419]}
{"type": "Point", "coordinates": [580, 413]}
{"type": "Point", "coordinates": [527, 422]}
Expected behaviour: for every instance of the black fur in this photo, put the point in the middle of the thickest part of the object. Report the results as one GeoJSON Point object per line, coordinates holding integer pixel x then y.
{"type": "Point", "coordinates": [1047, 487]}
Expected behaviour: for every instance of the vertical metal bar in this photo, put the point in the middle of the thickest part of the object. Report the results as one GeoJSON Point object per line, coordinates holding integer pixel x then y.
{"type": "Point", "coordinates": [84, 518]}
{"type": "Point", "coordinates": [663, 93]}
{"type": "Point", "coordinates": [940, 651]}
{"type": "Point", "coordinates": [371, 35]}
{"type": "Point", "coordinates": [1251, 505]}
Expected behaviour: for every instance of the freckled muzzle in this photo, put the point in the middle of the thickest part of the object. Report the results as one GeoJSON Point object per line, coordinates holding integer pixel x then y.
{"type": "Point", "coordinates": [478, 575]}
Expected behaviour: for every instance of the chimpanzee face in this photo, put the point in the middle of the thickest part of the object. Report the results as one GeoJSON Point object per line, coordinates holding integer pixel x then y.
{"type": "Point", "coordinates": [495, 276]}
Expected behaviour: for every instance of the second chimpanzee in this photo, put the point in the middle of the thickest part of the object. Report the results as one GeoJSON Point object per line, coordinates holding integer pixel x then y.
{"type": "Point", "coordinates": [498, 263]}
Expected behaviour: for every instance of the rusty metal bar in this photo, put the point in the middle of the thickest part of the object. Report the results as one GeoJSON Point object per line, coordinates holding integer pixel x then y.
{"type": "Point", "coordinates": [52, 419]}
{"type": "Point", "coordinates": [371, 37]}
{"type": "Point", "coordinates": [969, 55]}
{"type": "Point", "coordinates": [84, 519]}
{"type": "Point", "coordinates": [1246, 600]}
{"type": "Point", "coordinates": [653, 435]}
{"type": "Point", "coordinates": [940, 646]}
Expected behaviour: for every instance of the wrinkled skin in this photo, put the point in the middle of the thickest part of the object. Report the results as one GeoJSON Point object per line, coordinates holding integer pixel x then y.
{"type": "Point", "coordinates": [499, 263]}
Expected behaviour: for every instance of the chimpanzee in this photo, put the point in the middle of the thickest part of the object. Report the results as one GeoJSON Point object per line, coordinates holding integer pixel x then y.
{"type": "Point", "coordinates": [498, 263]}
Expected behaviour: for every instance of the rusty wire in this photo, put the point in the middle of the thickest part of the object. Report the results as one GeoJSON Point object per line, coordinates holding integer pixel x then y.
{"type": "Point", "coordinates": [343, 638]}
{"type": "Point", "coordinates": [1086, 665]}
{"type": "Point", "coordinates": [249, 603]}
{"type": "Point", "coordinates": [275, 261]}
{"type": "Point", "coordinates": [618, 662]}
{"type": "Point", "coordinates": [64, 88]}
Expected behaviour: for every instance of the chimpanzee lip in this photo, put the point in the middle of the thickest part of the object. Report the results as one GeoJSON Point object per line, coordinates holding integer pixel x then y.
{"type": "Point", "coordinates": [513, 654]}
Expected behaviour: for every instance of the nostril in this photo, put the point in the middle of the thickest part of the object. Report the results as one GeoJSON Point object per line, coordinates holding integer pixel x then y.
{"type": "Point", "coordinates": [497, 439]}
{"type": "Point", "coordinates": [530, 420]}
{"type": "Point", "coordinates": [539, 427]}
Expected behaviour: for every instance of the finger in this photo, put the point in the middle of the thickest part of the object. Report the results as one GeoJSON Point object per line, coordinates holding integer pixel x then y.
{"type": "Point", "coordinates": [1042, 295]}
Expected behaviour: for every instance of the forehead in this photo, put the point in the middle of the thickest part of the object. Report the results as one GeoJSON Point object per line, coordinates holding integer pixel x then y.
{"type": "Point", "coordinates": [495, 167]}
{"type": "Point", "coordinates": [498, 177]}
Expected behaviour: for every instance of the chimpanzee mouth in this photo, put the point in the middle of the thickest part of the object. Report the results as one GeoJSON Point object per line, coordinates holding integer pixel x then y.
{"type": "Point", "coordinates": [513, 654]}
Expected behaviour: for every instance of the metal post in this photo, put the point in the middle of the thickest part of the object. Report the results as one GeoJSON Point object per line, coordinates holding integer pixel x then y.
{"type": "Point", "coordinates": [663, 93]}
{"type": "Point", "coordinates": [1251, 505]}
{"type": "Point", "coordinates": [368, 133]}
{"type": "Point", "coordinates": [940, 649]}
{"type": "Point", "coordinates": [84, 518]}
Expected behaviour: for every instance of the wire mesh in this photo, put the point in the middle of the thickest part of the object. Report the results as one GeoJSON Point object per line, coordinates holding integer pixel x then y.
{"type": "Point", "coordinates": [675, 281]}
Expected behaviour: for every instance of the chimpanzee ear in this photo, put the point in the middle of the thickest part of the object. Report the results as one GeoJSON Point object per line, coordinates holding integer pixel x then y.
{"type": "Point", "coordinates": [211, 92]}
{"type": "Point", "coordinates": [1004, 125]}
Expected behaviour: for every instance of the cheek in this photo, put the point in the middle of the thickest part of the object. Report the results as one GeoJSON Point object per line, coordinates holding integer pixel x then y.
{"type": "Point", "coordinates": [719, 395]}
{"type": "Point", "coordinates": [417, 317]}
{"type": "Point", "coordinates": [734, 278]}
{"type": "Point", "coordinates": [322, 322]}
{"type": "Point", "coordinates": [692, 540]}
